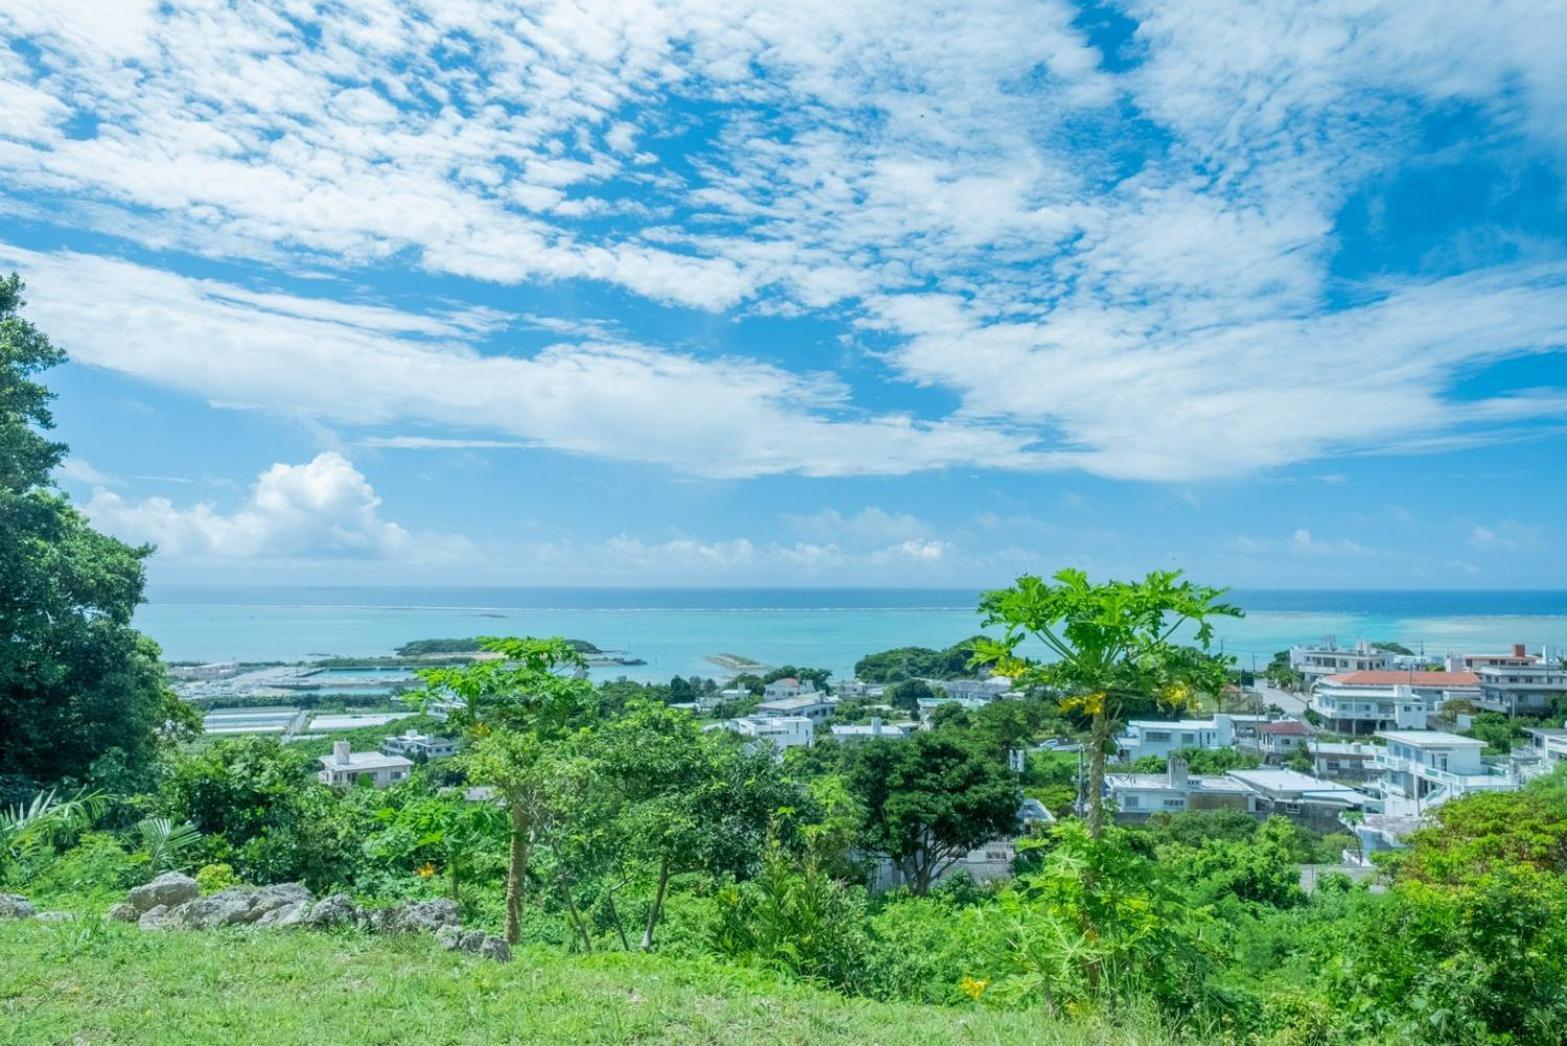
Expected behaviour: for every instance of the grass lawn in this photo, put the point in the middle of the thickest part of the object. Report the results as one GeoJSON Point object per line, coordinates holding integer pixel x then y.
{"type": "Point", "coordinates": [112, 983]}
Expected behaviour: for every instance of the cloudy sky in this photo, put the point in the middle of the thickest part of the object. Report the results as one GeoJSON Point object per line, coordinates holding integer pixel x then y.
{"type": "Point", "coordinates": [812, 293]}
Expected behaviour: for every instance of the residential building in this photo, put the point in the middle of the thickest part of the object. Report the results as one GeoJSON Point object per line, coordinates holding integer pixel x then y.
{"type": "Point", "coordinates": [787, 687]}
{"type": "Point", "coordinates": [857, 688]}
{"type": "Point", "coordinates": [1421, 769]}
{"type": "Point", "coordinates": [1138, 796]}
{"type": "Point", "coordinates": [1328, 659]}
{"type": "Point", "coordinates": [974, 689]}
{"type": "Point", "coordinates": [1530, 689]}
{"type": "Point", "coordinates": [347, 767]}
{"type": "Point", "coordinates": [782, 731]}
{"type": "Point", "coordinates": [1302, 798]}
{"type": "Point", "coordinates": [874, 730]}
{"type": "Point", "coordinates": [810, 704]}
{"type": "Point", "coordinates": [1281, 739]}
{"type": "Point", "coordinates": [1158, 737]}
{"type": "Point", "coordinates": [1547, 749]}
{"type": "Point", "coordinates": [988, 863]}
{"type": "Point", "coordinates": [1519, 657]}
{"type": "Point", "coordinates": [418, 746]}
{"type": "Point", "coordinates": [1367, 701]}
{"type": "Point", "coordinates": [1342, 760]}
{"type": "Point", "coordinates": [1377, 833]}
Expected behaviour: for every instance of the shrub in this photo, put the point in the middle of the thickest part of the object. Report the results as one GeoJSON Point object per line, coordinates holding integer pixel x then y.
{"type": "Point", "coordinates": [214, 877]}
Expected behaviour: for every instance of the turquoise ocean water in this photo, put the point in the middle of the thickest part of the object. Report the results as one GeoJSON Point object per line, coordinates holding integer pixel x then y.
{"type": "Point", "coordinates": [676, 630]}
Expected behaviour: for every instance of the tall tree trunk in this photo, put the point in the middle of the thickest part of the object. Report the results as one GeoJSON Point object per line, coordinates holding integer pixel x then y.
{"type": "Point", "coordinates": [657, 907]}
{"type": "Point", "coordinates": [1096, 774]}
{"type": "Point", "coordinates": [516, 874]}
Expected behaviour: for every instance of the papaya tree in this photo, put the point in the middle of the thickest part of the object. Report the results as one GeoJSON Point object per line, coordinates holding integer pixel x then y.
{"type": "Point", "coordinates": [1108, 643]}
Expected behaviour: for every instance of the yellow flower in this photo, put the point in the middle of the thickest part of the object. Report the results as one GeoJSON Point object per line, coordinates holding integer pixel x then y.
{"type": "Point", "coordinates": [425, 870]}
{"type": "Point", "coordinates": [973, 987]}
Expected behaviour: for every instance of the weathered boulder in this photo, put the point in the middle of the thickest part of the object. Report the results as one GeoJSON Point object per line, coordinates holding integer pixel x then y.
{"type": "Point", "coordinates": [122, 913]}
{"type": "Point", "coordinates": [15, 906]}
{"type": "Point", "coordinates": [55, 917]}
{"type": "Point", "coordinates": [168, 889]}
{"type": "Point", "coordinates": [284, 917]}
{"type": "Point", "coordinates": [495, 948]}
{"type": "Point", "coordinates": [417, 916]}
{"type": "Point", "coordinates": [449, 937]}
{"type": "Point", "coordinates": [336, 910]}
{"type": "Point", "coordinates": [229, 907]}
{"type": "Point", "coordinates": [281, 895]}
{"type": "Point", "coordinates": [158, 917]}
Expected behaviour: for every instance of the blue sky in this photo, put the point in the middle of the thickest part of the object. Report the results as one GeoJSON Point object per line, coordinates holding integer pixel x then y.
{"type": "Point", "coordinates": [823, 294]}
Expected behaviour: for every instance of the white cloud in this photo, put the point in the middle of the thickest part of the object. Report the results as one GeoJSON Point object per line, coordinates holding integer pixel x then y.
{"type": "Point", "coordinates": [869, 526]}
{"type": "Point", "coordinates": [1507, 535]}
{"type": "Point", "coordinates": [367, 365]}
{"type": "Point", "coordinates": [322, 508]}
{"type": "Point", "coordinates": [79, 470]}
{"type": "Point", "coordinates": [1133, 270]}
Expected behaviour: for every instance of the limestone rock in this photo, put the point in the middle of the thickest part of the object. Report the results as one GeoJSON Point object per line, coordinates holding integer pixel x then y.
{"type": "Point", "coordinates": [495, 948]}
{"type": "Point", "coordinates": [281, 918]}
{"type": "Point", "coordinates": [55, 917]}
{"type": "Point", "coordinates": [168, 889]}
{"type": "Point", "coordinates": [229, 907]}
{"type": "Point", "coordinates": [122, 913]}
{"type": "Point", "coordinates": [420, 916]}
{"type": "Point", "coordinates": [15, 906]}
{"type": "Point", "coordinates": [336, 910]}
{"type": "Point", "coordinates": [449, 937]}
{"type": "Point", "coordinates": [158, 917]}
{"type": "Point", "coordinates": [269, 899]}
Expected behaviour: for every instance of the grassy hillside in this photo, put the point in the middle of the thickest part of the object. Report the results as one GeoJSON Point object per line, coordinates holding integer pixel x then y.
{"type": "Point", "coordinates": [101, 983]}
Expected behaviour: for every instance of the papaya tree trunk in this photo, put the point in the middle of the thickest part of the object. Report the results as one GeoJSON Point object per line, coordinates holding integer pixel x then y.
{"type": "Point", "coordinates": [1096, 774]}
{"type": "Point", "coordinates": [516, 874]}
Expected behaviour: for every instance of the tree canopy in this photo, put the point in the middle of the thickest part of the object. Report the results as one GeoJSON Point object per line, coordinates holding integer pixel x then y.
{"type": "Point", "coordinates": [82, 696]}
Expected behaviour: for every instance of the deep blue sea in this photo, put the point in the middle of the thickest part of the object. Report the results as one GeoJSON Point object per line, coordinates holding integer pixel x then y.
{"type": "Point", "coordinates": [676, 630]}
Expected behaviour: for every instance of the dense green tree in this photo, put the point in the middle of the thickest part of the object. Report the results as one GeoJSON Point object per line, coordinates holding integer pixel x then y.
{"type": "Point", "coordinates": [929, 800]}
{"type": "Point", "coordinates": [916, 662]}
{"type": "Point", "coordinates": [1111, 643]}
{"type": "Point", "coordinates": [82, 696]}
{"type": "Point", "coordinates": [908, 694]}
{"type": "Point", "coordinates": [820, 677]}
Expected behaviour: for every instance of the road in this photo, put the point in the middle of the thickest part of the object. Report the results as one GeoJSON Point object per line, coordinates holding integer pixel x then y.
{"type": "Point", "coordinates": [1293, 704]}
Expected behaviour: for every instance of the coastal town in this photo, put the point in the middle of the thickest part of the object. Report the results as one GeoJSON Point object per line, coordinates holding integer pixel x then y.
{"type": "Point", "coordinates": [1366, 739]}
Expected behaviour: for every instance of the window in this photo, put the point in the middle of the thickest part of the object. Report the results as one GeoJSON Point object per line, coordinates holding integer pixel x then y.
{"type": "Point", "coordinates": [1157, 735]}
{"type": "Point", "coordinates": [1131, 802]}
{"type": "Point", "coordinates": [1175, 804]}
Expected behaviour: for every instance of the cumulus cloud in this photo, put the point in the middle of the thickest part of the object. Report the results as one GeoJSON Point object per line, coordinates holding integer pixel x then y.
{"type": "Point", "coordinates": [324, 507]}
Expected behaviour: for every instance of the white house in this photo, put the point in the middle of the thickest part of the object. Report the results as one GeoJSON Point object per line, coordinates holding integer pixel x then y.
{"type": "Point", "coordinates": [787, 687]}
{"type": "Point", "coordinates": [1518, 658]}
{"type": "Point", "coordinates": [1365, 702]}
{"type": "Point", "coordinates": [987, 689]}
{"type": "Point", "coordinates": [1547, 749]}
{"type": "Point", "coordinates": [1421, 769]}
{"type": "Point", "coordinates": [347, 767]}
{"type": "Point", "coordinates": [1328, 659]}
{"type": "Point", "coordinates": [874, 730]}
{"type": "Point", "coordinates": [1342, 759]}
{"type": "Point", "coordinates": [1528, 689]}
{"type": "Point", "coordinates": [1282, 738]}
{"type": "Point", "coordinates": [780, 731]}
{"type": "Point", "coordinates": [1137, 796]}
{"type": "Point", "coordinates": [1300, 797]}
{"type": "Point", "coordinates": [811, 705]}
{"type": "Point", "coordinates": [1161, 738]}
{"type": "Point", "coordinates": [415, 745]}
